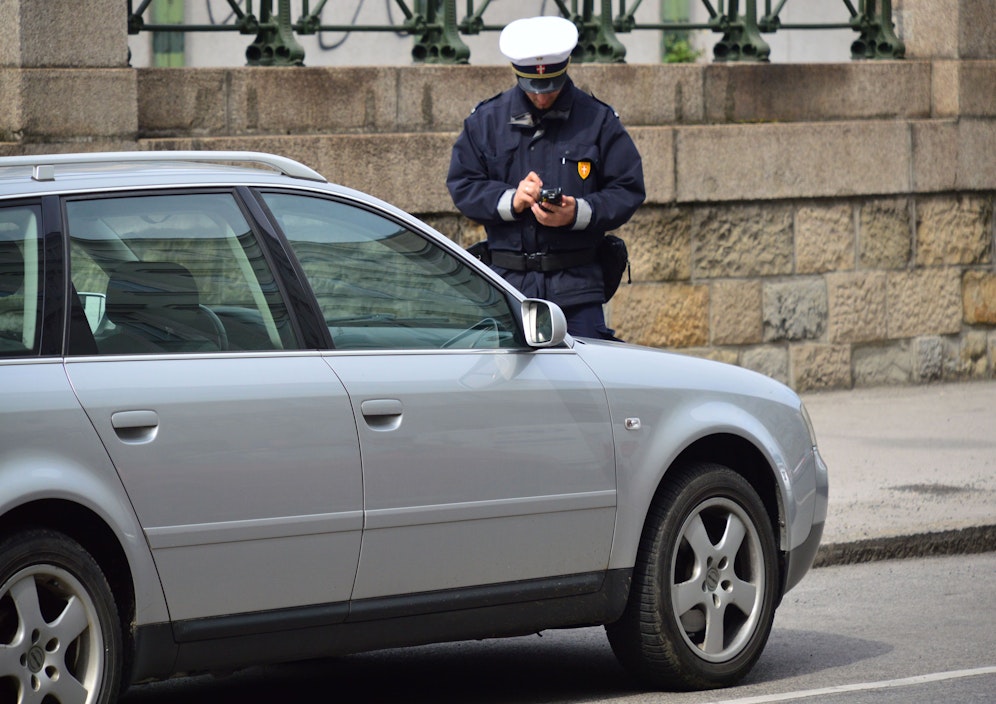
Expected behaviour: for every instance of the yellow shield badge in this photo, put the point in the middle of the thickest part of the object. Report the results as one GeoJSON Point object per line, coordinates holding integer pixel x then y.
{"type": "Point", "coordinates": [584, 169]}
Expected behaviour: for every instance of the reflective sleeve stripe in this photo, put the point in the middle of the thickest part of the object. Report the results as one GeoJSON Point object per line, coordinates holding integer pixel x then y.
{"type": "Point", "coordinates": [505, 211]}
{"type": "Point", "coordinates": [584, 213]}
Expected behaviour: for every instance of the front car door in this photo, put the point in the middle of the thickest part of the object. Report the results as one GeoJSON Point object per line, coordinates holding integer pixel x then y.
{"type": "Point", "coordinates": [484, 462]}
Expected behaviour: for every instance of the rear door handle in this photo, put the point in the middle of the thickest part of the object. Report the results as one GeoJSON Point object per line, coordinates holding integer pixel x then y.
{"type": "Point", "coordinates": [135, 427]}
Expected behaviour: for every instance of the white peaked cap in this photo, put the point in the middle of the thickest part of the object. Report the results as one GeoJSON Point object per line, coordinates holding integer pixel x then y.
{"type": "Point", "coordinates": [540, 51]}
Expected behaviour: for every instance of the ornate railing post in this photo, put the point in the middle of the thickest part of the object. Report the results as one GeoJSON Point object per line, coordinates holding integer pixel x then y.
{"type": "Point", "coordinates": [741, 39]}
{"type": "Point", "coordinates": [275, 44]}
{"type": "Point", "coordinates": [878, 38]}
{"type": "Point", "coordinates": [598, 41]}
{"type": "Point", "coordinates": [440, 43]}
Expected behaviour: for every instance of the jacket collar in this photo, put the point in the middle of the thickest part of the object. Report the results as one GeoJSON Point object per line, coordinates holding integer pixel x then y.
{"type": "Point", "coordinates": [525, 114]}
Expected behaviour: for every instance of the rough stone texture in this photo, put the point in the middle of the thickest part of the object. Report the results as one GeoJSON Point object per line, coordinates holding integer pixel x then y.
{"type": "Point", "coordinates": [976, 164]}
{"type": "Point", "coordinates": [979, 297]}
{"type": "Point", "coordinates": [929, 28]}
{"type": "Point", "coordinates": [193, 102]}
{"type": "Point", "coordinates": [953, 230]}
{"type": "Point", "coordinates": [935, 155]}
{"type": "Point", "coordinates": [977, 88]}
{"type": "Point", "coordinates": [856, 306]}
{"type": "Point", "coordinates": [659, 241]}
{"type": "Point", "coordinates": [831, 91]}
{"type": "Point", "coordinates": [968, 356]}
{"type": "Point", "coordinates": [662, 315]}
{"type": "Point", "coordinates": [80, 34]}
{"type": "Point", "coordinates": [770, 361]}
{"type": "Point", "coordinates": [735, 312]}
{"type": "Point", "coordinates": [816, 366]}
{"type": "Point", "coordinates": [656, 147]}
{"type": "Point", "coordinates": [68, 105]}
{"type": "Point", "coordinates": [672, 96]}
{"type": "Point", "coordinates": [945, 90]}
{"type": "Point", "coordinates": [885, 237]}
{"type": "Point", "coordinates": [923, 302]}
{"type": "Point", "coordinates": [794, 160]}
{"type": "Point", "coordinates": [433, 97]}
{"type": "Point", "coordinates": [928, 358]}
{"type": "Point", "coordinates": [716, 354]}
{"type": "Point", "coordinates": [452, 226]}
{"type": "Point", "coordinates": [824, 238]}
{"type": "Point", "coordinates": [954, 155]}
{"type": "Point", "coordinates": [880, 365]}
{"type": "Point", "coordinates": [976, 29]}
{"type": "Point", "coordinates": [271, 100]}
{"type": "Point", "coordinates": [735, 241]}
{"type": "Point", "coordinates": [794, 310]}
{"type": "Point", "coordinates": [11, 117]}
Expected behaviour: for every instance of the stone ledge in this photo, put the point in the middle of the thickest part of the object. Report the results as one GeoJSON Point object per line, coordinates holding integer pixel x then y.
{"type": "Point", "coordinates": [437, 98]}
{"type": "Point", "coordinates": [797, 160]}
{"type": "Point", "coordinates": [71, 105]}
{"type": "Point", "coordinates": [833, 91]}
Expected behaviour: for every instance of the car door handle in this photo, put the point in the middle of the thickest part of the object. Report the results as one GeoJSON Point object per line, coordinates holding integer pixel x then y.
{"type": "Point", "coordinates": [135, 427]}
{"type": "Point", "coordinates": [382, 413]}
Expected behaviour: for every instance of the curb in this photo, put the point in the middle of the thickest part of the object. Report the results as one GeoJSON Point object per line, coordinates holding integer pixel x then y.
{"type": "Point", "coordinates": [965, 541]}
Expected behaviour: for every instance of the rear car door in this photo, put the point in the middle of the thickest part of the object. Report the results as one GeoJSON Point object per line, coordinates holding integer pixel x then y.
{"type": "Point", "coordinates": [484, 462]}
{"type": "Point", "coordinates": [237, 449]}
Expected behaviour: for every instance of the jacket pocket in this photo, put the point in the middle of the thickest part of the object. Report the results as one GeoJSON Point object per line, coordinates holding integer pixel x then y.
{"type": "Point", "coordinates": [581, 168]}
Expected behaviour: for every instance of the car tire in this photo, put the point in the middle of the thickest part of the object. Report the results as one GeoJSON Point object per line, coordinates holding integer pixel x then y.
{"type": "Point", "coordinates": [60, 636]}
{"type": "Point", "coordinates": [701, 606]}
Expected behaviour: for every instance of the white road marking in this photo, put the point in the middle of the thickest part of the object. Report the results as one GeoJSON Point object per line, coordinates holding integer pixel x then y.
{"type": "Point", "coordinates": [862, 687]}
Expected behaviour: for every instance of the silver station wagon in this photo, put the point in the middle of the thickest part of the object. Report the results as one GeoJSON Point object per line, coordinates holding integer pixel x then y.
{"type": "Point", "coordinates": [248, 416]}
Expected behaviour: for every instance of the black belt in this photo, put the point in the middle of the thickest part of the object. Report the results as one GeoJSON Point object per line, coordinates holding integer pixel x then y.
{"type": "Point", "coordinates": [539, 261]}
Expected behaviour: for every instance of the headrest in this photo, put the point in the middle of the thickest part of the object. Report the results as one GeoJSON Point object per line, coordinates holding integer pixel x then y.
{"type": "Point", "coordinates": [11, 268]}
{"type": "Point", "coordinates": [137, 286]}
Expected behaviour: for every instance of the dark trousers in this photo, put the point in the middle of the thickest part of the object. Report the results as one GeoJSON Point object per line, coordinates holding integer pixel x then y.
{"type": "Point", "coordinates": [588, 320]}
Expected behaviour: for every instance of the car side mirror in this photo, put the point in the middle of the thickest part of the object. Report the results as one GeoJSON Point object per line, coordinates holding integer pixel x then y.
{"type": "Point", "coordinates": [545, 324]}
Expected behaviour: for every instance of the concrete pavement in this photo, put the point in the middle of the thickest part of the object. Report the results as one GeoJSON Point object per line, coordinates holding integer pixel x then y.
{"type": "Point", "coordinates": [912, 470]}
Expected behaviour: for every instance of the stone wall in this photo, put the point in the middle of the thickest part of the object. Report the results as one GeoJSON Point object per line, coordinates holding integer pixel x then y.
{"type": "Point", "coordinates": [829, 225]}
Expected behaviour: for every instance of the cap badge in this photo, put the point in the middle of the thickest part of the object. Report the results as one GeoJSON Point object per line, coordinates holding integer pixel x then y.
{"type": "Point", "coordinates": [541, 69]}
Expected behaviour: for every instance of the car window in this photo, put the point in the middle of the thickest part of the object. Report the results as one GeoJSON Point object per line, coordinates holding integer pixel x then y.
{"type": "Point", "coordinates": [173, 273]}
{"type": "Point", "coordinates": [382, 285]}
{"type": "Point", "coordinates": [20, 274]}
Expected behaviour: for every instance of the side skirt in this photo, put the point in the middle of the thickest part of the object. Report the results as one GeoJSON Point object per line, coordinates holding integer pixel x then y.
{"type": "Point", "coordinates": [495, 611]}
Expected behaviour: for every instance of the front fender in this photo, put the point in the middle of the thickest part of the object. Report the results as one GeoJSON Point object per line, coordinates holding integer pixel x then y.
{"type": "Point", "coordinates": [663, 405]}
{"type": "Point", "coordinates": [644, 462]}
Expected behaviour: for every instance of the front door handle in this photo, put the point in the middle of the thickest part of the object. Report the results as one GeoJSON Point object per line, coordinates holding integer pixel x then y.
{"type": "Point", "coordinates": [382, 413]}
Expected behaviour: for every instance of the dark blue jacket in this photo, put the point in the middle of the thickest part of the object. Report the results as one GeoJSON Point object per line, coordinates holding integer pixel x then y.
{"type": "Point", "coordinates": [580, 145]}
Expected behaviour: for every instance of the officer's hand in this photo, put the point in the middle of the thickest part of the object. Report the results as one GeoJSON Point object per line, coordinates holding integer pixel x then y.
{"type": "Point", "coordinates": [527, 194]}
{"type": "Point", "coordinates": [556, 215]}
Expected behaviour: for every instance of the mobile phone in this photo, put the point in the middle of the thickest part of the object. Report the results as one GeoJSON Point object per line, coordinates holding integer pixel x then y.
{"type": "Point", "coordinates": [551, 195]}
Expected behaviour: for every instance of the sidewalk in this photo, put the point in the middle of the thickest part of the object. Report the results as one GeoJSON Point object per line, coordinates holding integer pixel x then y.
{"type": "Point", "coordinates": [912, 469]}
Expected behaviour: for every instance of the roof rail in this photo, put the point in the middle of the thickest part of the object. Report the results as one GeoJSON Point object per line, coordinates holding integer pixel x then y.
{"type": "Point", "coordinates": [288, 167]}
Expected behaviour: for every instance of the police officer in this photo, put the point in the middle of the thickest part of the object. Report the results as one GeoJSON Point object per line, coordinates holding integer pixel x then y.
{"type": "Point", "coordinates": [519, 148]}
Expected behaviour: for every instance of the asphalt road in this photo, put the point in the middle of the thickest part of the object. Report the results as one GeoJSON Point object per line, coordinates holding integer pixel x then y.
{"type": "Point", "coordinates": [917, 630]}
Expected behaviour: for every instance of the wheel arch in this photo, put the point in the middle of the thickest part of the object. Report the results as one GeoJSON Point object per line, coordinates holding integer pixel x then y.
{"type": "Point", "coordinates": [739, 443]}
{"type": "Point", "coordinates": [90, 531]}
{"type": "Point", "coordinates": [746, 459]}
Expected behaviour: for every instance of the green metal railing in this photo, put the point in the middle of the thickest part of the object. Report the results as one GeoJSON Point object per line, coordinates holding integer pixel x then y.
{"type": "Point", "coordinates": [437, 29]}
